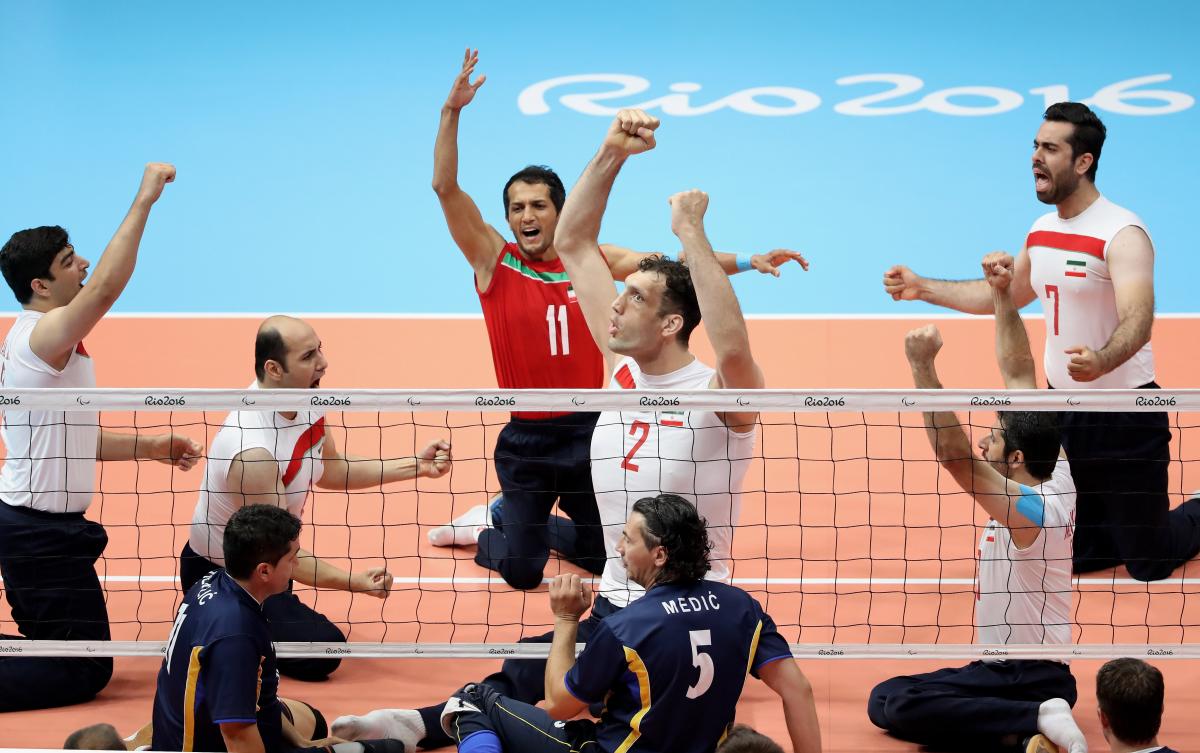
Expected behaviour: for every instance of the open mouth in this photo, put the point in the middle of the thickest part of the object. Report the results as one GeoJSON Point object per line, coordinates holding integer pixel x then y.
{"type": "Point", "coordinates": [315, 384]}
{"type": "Point", "coordinates": [1041, 181]}
{"type": "Point", "coordinates": [531, 233]}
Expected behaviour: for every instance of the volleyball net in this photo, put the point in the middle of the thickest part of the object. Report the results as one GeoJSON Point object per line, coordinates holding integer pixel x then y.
{"type": "Point", "coordinates": [854, 538]}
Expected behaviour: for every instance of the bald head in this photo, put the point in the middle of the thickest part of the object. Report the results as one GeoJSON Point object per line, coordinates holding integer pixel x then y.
{"type": "Point", "coordinates": [287, 353]}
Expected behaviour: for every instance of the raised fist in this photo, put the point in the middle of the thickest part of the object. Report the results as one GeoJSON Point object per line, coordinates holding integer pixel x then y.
{"type": "Point", "coordinates": [631, 132]}
{"type": "Point", "coordinates": [998, 269]}
{"type": "Point", "coordinates": [157, 175]}
{"type": "Point", "coordinates": [463, 91]}
{"type": "Point", "coordinates": [902, 284]}
{"type": "Point", "coordinates": [922, 344]}
{"type": "Point", "coordinates": [687, 209]}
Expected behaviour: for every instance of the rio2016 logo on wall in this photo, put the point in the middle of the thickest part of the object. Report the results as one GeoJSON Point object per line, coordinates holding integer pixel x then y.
{"type": "Point", "coordinates": [1126, 97]}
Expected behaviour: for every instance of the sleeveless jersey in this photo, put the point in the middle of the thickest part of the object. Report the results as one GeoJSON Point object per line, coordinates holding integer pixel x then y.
{"type": "Point", "coordinates": [643, 453]}
{"type": "Point", "coordinates": [51, 454]}
{"type": "Point", "coordinates": [1024, 595]}
{"type": "Point", "coordinates": [295, 444]}
{"type": "Point", "coordinates": [1070, 275]}
{"type": "Point", "coordinates": [538, 335]}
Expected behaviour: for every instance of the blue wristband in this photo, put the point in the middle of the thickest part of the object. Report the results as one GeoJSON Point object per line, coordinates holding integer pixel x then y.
{"type": "Point", "coordinates": [743, 263]}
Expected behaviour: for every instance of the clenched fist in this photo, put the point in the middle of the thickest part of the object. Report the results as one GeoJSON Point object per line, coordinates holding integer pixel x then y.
{"type": "Point", "coordinates": [157, 175]}
{"type": "Point", "coordinates": [631, 132]}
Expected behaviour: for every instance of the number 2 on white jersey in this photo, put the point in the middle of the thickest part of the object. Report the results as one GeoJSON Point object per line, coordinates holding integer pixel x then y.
{"type": "Point", "coordinates": [634, 428]}
{"type": "Point", "coordinates": [701, 660]}
{"type": "Point", "coordinates": [557, 324]}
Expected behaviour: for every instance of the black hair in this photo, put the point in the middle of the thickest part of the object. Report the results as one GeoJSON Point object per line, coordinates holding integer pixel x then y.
{"type": "Point", "coordinates": [539, 174]}
{"type": "Point", "coordinates": [95, 737]}
{"type": "Point", "coordinates": [1038, 435]}
{"type": "Point", "coordinates": [674, 524]}
{"type": "Point", "coordinates": [29, 255]}
{"type": "Point", "coordinates": [1130, 693]}
{"type": "Point", "coordinates": [269, 346]}
{"type": "Point", "coordinates": [679, 294]}
{"type": "Point", "coordinates": [744, 739]}
{"type": "Point", "coordinates": [257, 534]}
{"type": "Point", "coordinates": [1088, 135]}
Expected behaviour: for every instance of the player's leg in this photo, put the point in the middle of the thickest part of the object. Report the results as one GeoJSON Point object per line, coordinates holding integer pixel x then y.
{"type": "Point", "coordinates": [193, 567]}
{"type": "Point", "coordinates": [516, 547]}
{"type": "Point", "coordinates": [482, 721]}
{"type": "Point", "coordinates": [1123, 461]}
{"type": "Point", "coordinates": [579, 537]}
{"type": "Point", "coordinates": [1093, 545]}
{"type": "Point", "coordinates": [291, 620]}
{"type": "Point", "coordinates": [48, 563]}
{"type": "Point", "coordinates": [520, 679]}
{"type": "Point", "coordinates": [984, 705]}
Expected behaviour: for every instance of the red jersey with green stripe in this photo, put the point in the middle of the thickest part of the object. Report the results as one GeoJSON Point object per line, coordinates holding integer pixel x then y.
{"type": "Point", "coordinates": [539, 337]}
{"type": "Point", "coordinates": [1069, 273]}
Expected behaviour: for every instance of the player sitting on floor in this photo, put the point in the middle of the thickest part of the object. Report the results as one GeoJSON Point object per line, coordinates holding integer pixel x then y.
{"type": "Point", "coordinates": [275, 458]}
{"type": "Point", "coordinates": [1024, 584]}
{"type": "Point", "coordinates": [218, 684]}
{"type": "Point", "coordinates": [669, 668]}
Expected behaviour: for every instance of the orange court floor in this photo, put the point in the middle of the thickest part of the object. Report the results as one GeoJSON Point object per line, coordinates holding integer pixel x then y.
{"type": "Point", "coordinates": [874, 509]}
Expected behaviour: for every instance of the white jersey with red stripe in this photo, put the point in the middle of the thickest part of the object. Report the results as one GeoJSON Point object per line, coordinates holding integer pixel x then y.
{"type": "Point", "coordinates": [644, 453]}
{"type": "Point", "coordinates": [1069, 273]}
{"type": "Point", "coordinates": [1024, 595]}
{"type": "Point", "coordinates": [295, 444]}
{"type": "Point", "coordinates": [51, 454]}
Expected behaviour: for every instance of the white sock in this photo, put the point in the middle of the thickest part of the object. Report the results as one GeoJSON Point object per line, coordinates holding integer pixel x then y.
{"type": "Point", "coordinates": [1055, 722]}
{"type": "Point", "coordinates": [463, 530]}
{"type": "Point", "coordinates": [404, 725]}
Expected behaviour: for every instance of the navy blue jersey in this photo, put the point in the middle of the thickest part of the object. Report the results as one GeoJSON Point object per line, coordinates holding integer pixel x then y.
{"type": "Point", "coordinates": [670, 666]}
{"type": "Point", "coordinates": [220, 667]}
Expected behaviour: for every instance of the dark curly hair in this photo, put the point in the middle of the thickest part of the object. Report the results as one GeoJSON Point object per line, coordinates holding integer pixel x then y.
{"type": "Point", "coordinates": [28, 256]}
{"type": "Point", "coordinates": [670, 521]}
{"type": "Point", "coordinates": [679, 295]}
{"type": "Point", "coordinates": [1088, 134]}
{"type": "Point", "coordinates": [1037, 434]}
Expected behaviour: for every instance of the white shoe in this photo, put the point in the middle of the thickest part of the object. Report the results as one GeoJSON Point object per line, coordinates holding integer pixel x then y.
{"type": "Point", "coordinates": [463, 530]}
{"type": "Point", "coordinates": [404, 725]}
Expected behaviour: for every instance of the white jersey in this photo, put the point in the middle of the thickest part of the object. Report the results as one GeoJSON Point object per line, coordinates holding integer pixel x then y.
{"type": "Point", "coordinates": [296, 446]}
{"type": "Point", "coordinates": [51, 461]}
{"type": "Point", "coordinates": [1025, 594]}
{"type": "Point", "coordinates": [644, 453]}
{"type": "Point", "coordinates": [1069, 273]}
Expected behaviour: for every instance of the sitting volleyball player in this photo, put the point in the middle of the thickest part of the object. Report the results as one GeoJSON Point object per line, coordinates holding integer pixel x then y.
{"type": "Point", "coordinates": [1024, 484]}
{"type": "Point", "coordinates": [700, 455]}
{"type": "Point", "coordinates": [668, 668]}
{"type": "Point", "coordinates": [274, 458]}
{"type": "Point", "coordinates": [218, 684]}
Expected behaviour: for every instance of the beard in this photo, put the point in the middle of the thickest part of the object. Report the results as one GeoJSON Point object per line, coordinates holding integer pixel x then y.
{"type": "Point", "coordinates": [1061, 186]}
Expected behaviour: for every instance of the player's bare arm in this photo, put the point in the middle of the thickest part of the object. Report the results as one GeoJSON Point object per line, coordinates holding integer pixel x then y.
{"type": "Point", "coordinates": [576, 238]}
{"type": "Point", "coordinates": [254, 474]}
{"type": "Point", "coordinates": [967, 296]}
{"type": "Point", "coordinates": [172, 449]}
{"type": "Point", "coordinates": [993, 492]}
{"type": "Point", "coordinates": [719, 308]}
{"type": "Point", "coordinates": [570, 597]}
{"type": "Point", "coordinates": [1130, 258]}
{"type": "Point", "coordinates": [242, 737]}
{"type": "Point", "coordinates": [1013, 354]}
{"type": "Point", "coordinates": [624, 261]}
{"type": "Point", "coordinates": [344, 472]}
{"type": "Point", "coordinates": [58, 332]}
{"type": "Point", "coordinates": [799, 707]}
{"type": "Point", "coordinates": [479, 242]}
